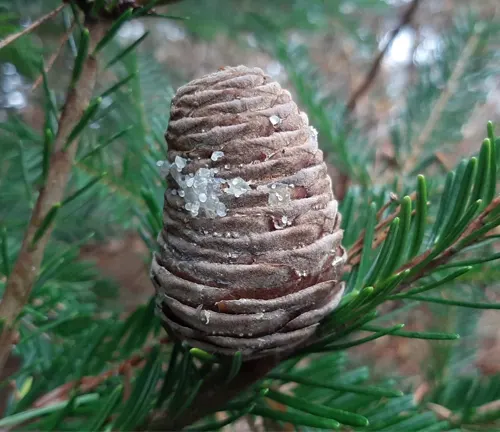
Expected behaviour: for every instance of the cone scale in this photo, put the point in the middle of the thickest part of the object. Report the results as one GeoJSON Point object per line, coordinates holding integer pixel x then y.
{"type": "Point", "coordinates": [250, 253]}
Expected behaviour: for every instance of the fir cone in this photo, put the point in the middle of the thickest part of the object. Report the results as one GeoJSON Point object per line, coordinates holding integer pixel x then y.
{"type": "Point", "coordinates": [250, 257]}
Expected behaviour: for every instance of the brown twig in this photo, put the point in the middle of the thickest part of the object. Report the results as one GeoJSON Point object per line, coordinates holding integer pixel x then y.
{"type": "Point", "coordinates": [444, 413]}
{"type": "Point", "coordinates": [373, 72]}
{"type": "Point", "coordinates": [357, 247]}
{"type": "Point", "coordinates": [127, 382]}
{"type": "Point", "coordinates": [89, 383]}
{"type": "Point", "coordinates": [488, 408]}
{"type": "Point", "coordinates": [441, 412]}
{"type": "Point", "coordinates": [353, 260]}
{"type": "Point", "coordinates": [450, 252]}
{"type": "Point", "coordinates": [215, 394]}
{"type": "Point", "coordinates": [121, 6]}
{"type": "Point", "coordinates": [11, 38]}
{"type": "Point", "coordinates": [54, 56]}
{"type": "Point", "coordinates": [354, 252]}
{"type": "Point", "coordinates": [27, 265]}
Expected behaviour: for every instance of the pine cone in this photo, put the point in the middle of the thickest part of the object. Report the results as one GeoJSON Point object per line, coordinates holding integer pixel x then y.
{"type": "Point", "coordinates": [250, 255]}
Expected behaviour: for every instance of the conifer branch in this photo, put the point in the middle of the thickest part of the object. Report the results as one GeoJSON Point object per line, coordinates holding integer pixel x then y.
{"type": "Point", "coordinates": [21, 280]}
{"type": "Point", "coordinates": [451, 251]}
{"type": "Point", "coordinates": [377, 62]}
{"type": "Point", "coordinates": [89, 383]}
{"type": "Point", "coordinates": [443, 258]}
{"type": "Point", "coordinates": [357, 247]}
{"type": "Point", "coordinates": [214, 395]}
{"type": "Point", "coordinates": [12, 38]}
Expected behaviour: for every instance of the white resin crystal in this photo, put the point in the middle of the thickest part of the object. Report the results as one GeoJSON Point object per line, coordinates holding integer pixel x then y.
{"type": "Point", "coordinates": [220, 209]}
{"type": "Point", "coordinates": [237, 187]}
{"type": "Point", "coordinates": [216, 155]}
{"type": "Point", "coordinates": [201, 190]}
{"type": "Point", "coordinates": [279, 194]}
{"type": "Point", "coordinates": [280, 222]}
{"type": "Point", "coordinates": [313, 134]}
{"type": "Point", "coordinates": [275, 120]}
{"type": "Point", "coordinates": [180, 163]}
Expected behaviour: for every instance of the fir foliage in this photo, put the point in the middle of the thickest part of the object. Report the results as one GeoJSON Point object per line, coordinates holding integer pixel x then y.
{"type": "Point", "coordinates": [412, 240]}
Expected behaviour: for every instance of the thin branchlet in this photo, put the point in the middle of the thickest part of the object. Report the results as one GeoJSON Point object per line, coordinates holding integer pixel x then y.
{"type": "Point", "coordinates": [24, 273]}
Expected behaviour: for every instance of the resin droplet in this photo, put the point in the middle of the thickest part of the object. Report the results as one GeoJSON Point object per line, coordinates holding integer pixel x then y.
{"type": "Point", "coordinates": [237, 187]}
{"type": "Point", "coordinates": [279, 195]}
{"type": "Point", "coordinates": [201, 190]}
{"type": "Point", "coordinates": [221, 209]}
{"type": "Point", "coordinates": [280, 222]}
{"type": "Point", "coordinates": [275, 120]}
{"type": "Point", "coordinates": [180, 163]}
{"type": "Point", "coordinates": [313, 134]}
{"type": "Point", "coordinates": [216, 155]}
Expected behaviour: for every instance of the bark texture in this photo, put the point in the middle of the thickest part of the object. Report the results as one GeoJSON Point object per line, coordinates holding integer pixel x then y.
{"type": "Point", "coordinates": [250, 254]}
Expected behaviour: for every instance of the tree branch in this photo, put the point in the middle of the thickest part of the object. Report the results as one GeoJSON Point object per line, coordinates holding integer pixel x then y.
{"type": "Point", "coordinates": [89, 383]}
{"type": "Point", "coordinates": [30, 28]}
{"type": "Point", "coordinates": [21, 280]}
{"type": "Point", "coordinates": [356, 249]}
{"type": "Point", "coordinates": [215, 394]}
{"type": "Point", "coordinates": [450, 252]}
{"type": "Point", "coordinates": [377, 62]}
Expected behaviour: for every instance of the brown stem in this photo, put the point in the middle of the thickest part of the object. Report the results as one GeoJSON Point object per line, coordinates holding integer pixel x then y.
{"type": "Point", "coordinates": [89, 383]}
{"type": "Point", "coordinates": [357, 247]}
{"type": "Point", "coordinates": [30, 28]}
{"type": "Point", "coordinates": [373, 72]}
{"type": "Point", "coordinates": [449, 253]}
{"type": "Point", "coordinates": [457, 419]}
{"type": "Point", "coordinates": [87, 7]}
{"type": "Point", "coordinates": [215, 394]}
{"type": "Point", "coordinates": [20, 282]}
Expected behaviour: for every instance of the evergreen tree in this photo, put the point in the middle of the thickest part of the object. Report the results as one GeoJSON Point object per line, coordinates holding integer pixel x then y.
{"type": "Point", "coordinates": [415, 231]}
